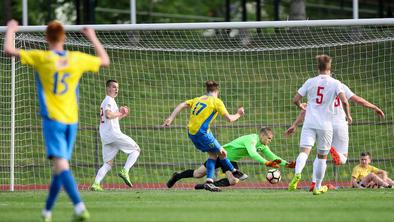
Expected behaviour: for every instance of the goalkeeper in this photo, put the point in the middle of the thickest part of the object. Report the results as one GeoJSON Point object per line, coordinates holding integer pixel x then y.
{"type": "Point", "coordinates": [244, 146]}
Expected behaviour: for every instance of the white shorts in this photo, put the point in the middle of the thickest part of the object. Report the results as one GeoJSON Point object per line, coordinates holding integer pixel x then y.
{"type": "Point", "coordinates": [122, 142]}
{"type": "Point", "coordinates": [309, 136]}
{"type": "Point", "coordinates": [340, 139]}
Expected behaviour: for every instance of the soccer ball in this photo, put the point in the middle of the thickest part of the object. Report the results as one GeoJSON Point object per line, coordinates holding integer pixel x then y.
{"type": "Point", "coordinates": [273, 176]}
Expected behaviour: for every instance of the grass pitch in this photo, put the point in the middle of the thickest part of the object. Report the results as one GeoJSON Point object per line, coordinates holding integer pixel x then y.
{"type": "Point", "coordinates": [189, 206]}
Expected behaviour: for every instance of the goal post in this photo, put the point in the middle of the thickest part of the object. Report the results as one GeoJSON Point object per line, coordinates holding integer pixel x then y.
{"type": "Point", "coordinates": [258, 65]}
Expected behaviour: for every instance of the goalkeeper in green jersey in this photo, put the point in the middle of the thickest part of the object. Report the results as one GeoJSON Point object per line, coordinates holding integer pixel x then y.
{"type": "Point", "coordinates": [244, 146]}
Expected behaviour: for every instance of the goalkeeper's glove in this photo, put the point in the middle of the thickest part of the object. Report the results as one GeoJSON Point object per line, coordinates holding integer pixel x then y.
{"type": "Point", "coordinates": [273, 164]}
{"type": "Point", "coordinates": [290, 164]}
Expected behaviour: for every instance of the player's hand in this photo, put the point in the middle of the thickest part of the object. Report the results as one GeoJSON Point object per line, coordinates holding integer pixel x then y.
{"type": "Point", "coordinates": [241, 111]}
{"type": "Point", "coordinates": [124, 110]}
{"type": "Point", "coordinates": [290, 164]}
{"type": "Point", "coordinates": [303, 106]}
{"type": "Point", "coordinates": [89, 33]}
{"type": "Point", "coordinates": [349, 119]}
{"type": "Point", "coordinates": [273, 164]}
{"type": "Point", "coordinates": [379, 112]}
{"type": "Point", "coordinates": [12, 25]}
{"type": "Point", "coordinates": [371, 185]}
{"type": "Point", "coordinates": [223, 152]}
{"type": "Point", "coordinates": [290, 131]}
{"type": "Point", "coordinates": [167, 122]}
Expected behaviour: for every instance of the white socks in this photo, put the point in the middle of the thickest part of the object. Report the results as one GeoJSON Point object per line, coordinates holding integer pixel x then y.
{"type": "Point", "coordinates": [131, 159]}
{"type": "Point", "coordinates": [314, 170]}
{"type": "Point", "coordinates": [321, 165]}
{"type": "Point", "coordinates": [46, 213]}
{"type": "Point", "coordinates": [343, 158]}
{"type": "Point", "coordinates": [79, 208]}
{"type": "Point", "coordinates": [102, 172]}
{"type": "Point", "coordinates": [300, 162]}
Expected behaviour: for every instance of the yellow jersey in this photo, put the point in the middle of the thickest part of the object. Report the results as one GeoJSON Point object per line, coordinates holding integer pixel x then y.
{"type": "Point", "coordinates": [360, 172]}
{"type": "Point", "coordinates": [203, 112]}
{"type": "Point", "coordinates": [57, 77]}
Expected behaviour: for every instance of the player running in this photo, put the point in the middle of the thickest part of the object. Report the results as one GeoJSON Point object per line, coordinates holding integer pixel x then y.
{"type": "Point", "coordinates": [113, 139]}
{"type": "Point", "coordinates": [340, 140]}
{"type": "Point", "coordinates": [247, 146]}
{"type": "Point", "coordinates": [321, 92]}
{"type": "Point", "coordinates": [203, 111]}
{"type": "Point", "coordinates": [58, 74]}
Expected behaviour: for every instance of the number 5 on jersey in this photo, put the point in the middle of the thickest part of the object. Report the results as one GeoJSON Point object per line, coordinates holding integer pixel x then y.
{"type": "Point", "coordinates": [319, 99]}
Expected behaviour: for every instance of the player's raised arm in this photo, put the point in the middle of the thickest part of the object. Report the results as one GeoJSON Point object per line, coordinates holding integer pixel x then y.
{"type": "Point", "coordinates": [90, 34]}
{"type": "Point", "coordinates": [346, 107]}
{"type": "Point", "coordinates": [178, 108]}
{"type": "Point", "coordinates": [363, 102]}
{"type": "Point", "coordinates": [231, 118]}
{"type": "Point", "coordinates": [9, 48]}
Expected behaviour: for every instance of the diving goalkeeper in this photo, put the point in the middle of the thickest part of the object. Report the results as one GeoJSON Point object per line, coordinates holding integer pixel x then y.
{"type": "Point", "coordinates": [242, 147]}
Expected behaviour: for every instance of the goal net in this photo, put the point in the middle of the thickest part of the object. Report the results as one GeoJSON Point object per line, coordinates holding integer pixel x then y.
{"type": "Point", "coordinates": [260, 67]}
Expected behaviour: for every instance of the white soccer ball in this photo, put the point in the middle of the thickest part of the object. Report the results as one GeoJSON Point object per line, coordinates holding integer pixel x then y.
{"type": "Point", "coordinates": [273, 176]}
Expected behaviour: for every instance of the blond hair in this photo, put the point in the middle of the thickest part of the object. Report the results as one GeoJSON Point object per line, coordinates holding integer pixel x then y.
{"type": "Point", "coordinates": [323, 62]}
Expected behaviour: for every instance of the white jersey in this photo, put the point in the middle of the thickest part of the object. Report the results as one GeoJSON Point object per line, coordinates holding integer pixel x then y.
{"type": "Point", "coordinates": [339, 119]}
{"type": "Point", "coordinates": [109, 128]}
{"type": "Point", "coordinates": [321, 92]}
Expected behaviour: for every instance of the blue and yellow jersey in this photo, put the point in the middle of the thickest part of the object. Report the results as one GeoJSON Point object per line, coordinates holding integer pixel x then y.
{"type": "Point", "coordinates": [58, 75]}
{"type": "Point", "coordinates": [203, 111]}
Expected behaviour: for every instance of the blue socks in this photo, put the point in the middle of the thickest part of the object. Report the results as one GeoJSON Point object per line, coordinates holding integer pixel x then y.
{"type": "Point", "coordinates": [210, 168]}
{"type": "Point", "coordinates": [70, 186]}
{"type": "Point", "coordinates": [54, 189]}
{"type": "Point", "coordinates": [227, 164]}
{"type": "Point", "coordinates": [64, 179]}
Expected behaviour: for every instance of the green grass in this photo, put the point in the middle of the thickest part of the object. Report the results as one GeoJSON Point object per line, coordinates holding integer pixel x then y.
{"type": "Point", "coordinates": [197, 206]}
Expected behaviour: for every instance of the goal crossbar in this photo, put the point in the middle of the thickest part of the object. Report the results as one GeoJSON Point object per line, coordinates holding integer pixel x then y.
{"type": "Point", "coordinates": [216, 25]}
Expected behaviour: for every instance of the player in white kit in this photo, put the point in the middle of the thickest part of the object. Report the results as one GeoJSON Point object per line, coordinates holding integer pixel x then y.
{"type": "Point", "coordinates": [321, 92]}
{"type": "Point", "coordinates": [113, 139]}
{"type": "Point", "coordinates": [340, 141]}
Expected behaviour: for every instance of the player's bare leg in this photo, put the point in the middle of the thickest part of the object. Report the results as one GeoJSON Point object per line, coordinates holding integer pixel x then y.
{"type": "Point", "coordinates": [374, 178]}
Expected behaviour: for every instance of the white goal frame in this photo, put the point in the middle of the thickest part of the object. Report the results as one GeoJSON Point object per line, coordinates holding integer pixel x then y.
{"type": "Point", "coordinates": [176, 26]}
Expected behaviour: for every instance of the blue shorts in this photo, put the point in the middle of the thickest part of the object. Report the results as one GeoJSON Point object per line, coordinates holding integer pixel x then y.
{"type": "Point", "coordinates": [59, 138]}
{"type": "Point", "coordinates": [205, 142]}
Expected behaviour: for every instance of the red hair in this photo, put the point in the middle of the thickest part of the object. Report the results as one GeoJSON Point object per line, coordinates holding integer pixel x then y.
{"type": "Point", "coordinates": [55, 32]}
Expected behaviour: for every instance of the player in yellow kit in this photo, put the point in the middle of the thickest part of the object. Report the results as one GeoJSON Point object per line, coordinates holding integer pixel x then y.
{"type": "Point", "coordinates": [57, 77]}
{"type": "Point", "coordinates": [368, 176]}
{"type": "Point", "coordinates": [203, 111]}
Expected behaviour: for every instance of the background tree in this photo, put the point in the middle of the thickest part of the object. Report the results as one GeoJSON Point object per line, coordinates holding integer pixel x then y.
{"type": "Point", "coordinates": [297, 10]}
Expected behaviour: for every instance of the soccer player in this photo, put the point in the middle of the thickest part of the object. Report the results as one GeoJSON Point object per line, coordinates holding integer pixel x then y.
{"type": "Point", "coordinates": [321, 92]}
{"type": "Point", "coordinates": [340, 140]}
{"type": "Point", "coordinates": [204, 110]}
{"type": "Point", "coordinates": [112, 138]}
{"type": "Point", "coordinates": [367, 176]}
{"type": "Point", "coordinates": [58, 75]}
{"type": "Point", "coordinates": [247, 146]}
